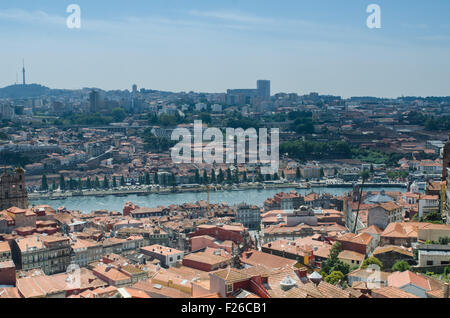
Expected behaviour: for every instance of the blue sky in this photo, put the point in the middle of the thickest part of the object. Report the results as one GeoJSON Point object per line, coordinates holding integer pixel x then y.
{"type": "Point", "coordinates": [211, 45]}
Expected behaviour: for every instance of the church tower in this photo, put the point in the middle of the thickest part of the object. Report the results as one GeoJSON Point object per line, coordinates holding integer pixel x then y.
{"type": "Point", "coordinates": [13, 191]}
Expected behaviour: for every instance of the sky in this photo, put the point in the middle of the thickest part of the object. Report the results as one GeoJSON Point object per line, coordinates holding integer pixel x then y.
{"type": "Point", "coordinates": [302, 46]}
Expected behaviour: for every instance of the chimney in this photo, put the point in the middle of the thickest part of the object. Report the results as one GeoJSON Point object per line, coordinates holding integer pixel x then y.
{"type": "Point", "coordinates": [446, 290]}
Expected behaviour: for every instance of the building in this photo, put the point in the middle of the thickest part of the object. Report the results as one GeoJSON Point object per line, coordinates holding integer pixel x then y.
{"type": "Point", "coordinates": [400, 234]}
{"type": "Point", "coordinates": [13, 191]}
{"type": "Point", "coordinates": [7, 273]}
{"type": "Point", "coordinates": [49, 253]}
{"type": "Point", "coordinates": [385, 213]}
{"type": "Point", "coordinates": [391, 254]}
{"type": "Point", "coordinates": [361, 243]}
{"type": "Point", "coordinates": [94, 101]}
{"type": "Point", "coordinates": [410, 282]}
{"type": "Point", "coordinates": [263, 88]}
{"type": "Point", "coordinates": [234, 233]}
{"type": "Point", "coordinates": [166, 255]}
{"type": "Point", "coordinates": [249, 216]}
{"type": "Point", "coordinates": [284, 201]}
{"type": "Point", "coordinates": [5, 252]}
{"type": "Point", "coordinates": [428, 204]}
{"type": "Point", "coordinates": [112, 275]}
{"type": "Point", "coordinates": [291, 250]}
{"type": "Point", "coordinates": [84, 252]}
{"type": "Point", "coordinates": [304, 215]}
{"type": "Point", "coordinates": [433, 255]}
{"type": "Point", "coordinates": [351, 258]}
{"type": "Point", "coordinates": [206, 262]}
{"type": "Point", "coordinates": [369, 276]}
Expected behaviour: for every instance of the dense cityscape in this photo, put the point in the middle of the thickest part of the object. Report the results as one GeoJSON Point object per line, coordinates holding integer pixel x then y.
{"type": "Point", "coordinates": [384, 235]}
{"type": "Point", "coordinates": [225, 156]}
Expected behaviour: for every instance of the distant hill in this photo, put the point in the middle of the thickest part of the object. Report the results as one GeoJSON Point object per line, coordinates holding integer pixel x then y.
{"type": "Point", "coordinates": [23, 91]}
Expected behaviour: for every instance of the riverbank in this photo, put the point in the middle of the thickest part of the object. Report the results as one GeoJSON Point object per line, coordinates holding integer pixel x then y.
{"type": "Point", "coordinates": [86, 204]}
{"type": "Point", "coordinates": [199, 189]}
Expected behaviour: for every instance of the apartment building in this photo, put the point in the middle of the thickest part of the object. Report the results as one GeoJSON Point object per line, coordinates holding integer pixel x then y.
{"type": "Point", "coordinates": [49, 253]}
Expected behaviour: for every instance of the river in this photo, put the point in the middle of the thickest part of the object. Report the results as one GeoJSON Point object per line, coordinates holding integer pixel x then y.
{"type": "Point", "coordinates": [252, 196]}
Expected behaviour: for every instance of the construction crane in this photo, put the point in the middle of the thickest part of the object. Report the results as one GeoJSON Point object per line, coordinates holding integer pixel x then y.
{"type": "Point", "coordinates": [208, 208]}
{"type": "Point", "coordinates": [364, 177]}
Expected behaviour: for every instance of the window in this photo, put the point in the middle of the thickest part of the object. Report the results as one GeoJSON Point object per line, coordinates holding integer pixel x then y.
{"type": "Point", "coordinates": [429, 263]}
{"type": "Point", "coordinates": [445, 262]}
{"type": "Point", "coordinates": [229, 288]}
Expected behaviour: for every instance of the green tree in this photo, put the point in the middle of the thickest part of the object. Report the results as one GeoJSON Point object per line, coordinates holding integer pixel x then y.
{"type": "Point", "coordinates": [220, 177]}
{"type": "Point", "coordinates": [105, 183]}
{"type": "Point", "coordinates": [54, 185]}
{"type": "Point", "coordinates": [96, 183]}
{"type": "Point", "coordinates": [62, 182]}
{"type": "Point", "coordinates": [229, 176]}
{"type": "Point", "coordinates": [297, 173]}
{"type": "Point", "coordinates": [236, 176]}
{"type": "Point", "coordinates": [444, 240]}
{"type": "Point", "coordinates": [118, 114]}
{"type": "Point", "coordinates": [365, 175]}
{"type": "Point", "coordinates": [72, 184]}
{"type": "Point", "coordinates": [122, 181]}
{"type": "Point", "coordinates": [371, 261]}
{"type": "Point", "coordinates": [147, 178]}
{"type": "Point", "coordinates": [155, 178]}
{"type": "Point", "coordinates": [172, 180]}
{"type": "Point", "coordinates": [335, 278]}
{"type": "Point", "coordinates": [213, 176]}
{"type": "Point", "coordinates": [114, 182]}
{"type": "Point", "coordinates": [205, 177]}
{"type": "Point", "coordinates": [88, 183]}
{"type": "Point", "coordinates": [401, 266]}
{"type": "Point", "coordinates": [333, 263]}
{"type": "Point", "coordinates": [44, 183]}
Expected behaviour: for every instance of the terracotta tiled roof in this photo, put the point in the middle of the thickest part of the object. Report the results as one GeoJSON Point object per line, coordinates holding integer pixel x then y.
{"type": "Point", "coordinates": [231, 275]}
{"type": "Point", "coordinates": [391, 292]}
{"type": "Point", "coordinates": [400, 279]}
{"type": "Point", "coordinates": [392, 248]}
{"type": "Point", "coordinates": [351, 255]}
{"type": "Point", "coordinates": [254, 257]}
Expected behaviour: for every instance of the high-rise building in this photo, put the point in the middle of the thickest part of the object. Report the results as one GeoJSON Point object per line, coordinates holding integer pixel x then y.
{"type": "Point", "coordinates": [263, 87]}
{"type": "Point", "coordinates": [247, 96]}
{"type": "Point", "coordinates": [134, 89]}
{"type": "Point", "coordinates": [94, 101]}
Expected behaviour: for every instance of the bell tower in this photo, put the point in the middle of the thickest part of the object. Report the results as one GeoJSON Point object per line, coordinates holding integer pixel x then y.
{"type": "Point", "coordinates": [13, 191]}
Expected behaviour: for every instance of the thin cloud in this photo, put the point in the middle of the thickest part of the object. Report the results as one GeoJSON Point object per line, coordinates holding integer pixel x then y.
{"type": "Point", "coordinates": [32, 17]}
{"type": "Point", "coordinates": [234, 16]}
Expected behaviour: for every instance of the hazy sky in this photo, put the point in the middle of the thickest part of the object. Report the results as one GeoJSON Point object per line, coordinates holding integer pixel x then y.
{"type": "Point", "coordinates": [211, 45]}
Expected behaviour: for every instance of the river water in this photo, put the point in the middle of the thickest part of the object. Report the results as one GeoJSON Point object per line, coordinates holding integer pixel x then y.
{"type": "Point", "coordinates": [252, 196]}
